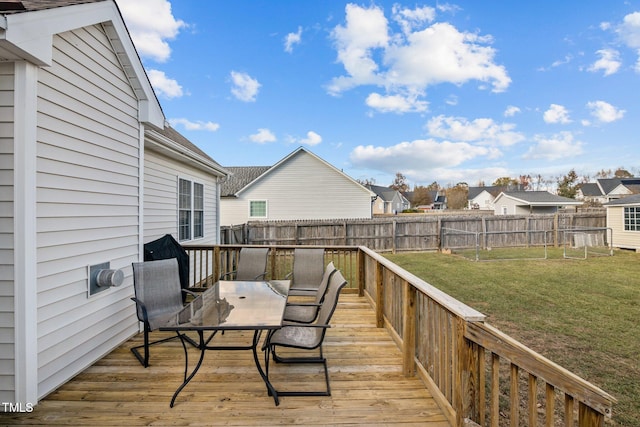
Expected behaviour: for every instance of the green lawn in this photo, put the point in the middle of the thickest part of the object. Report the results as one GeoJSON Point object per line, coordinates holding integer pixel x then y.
{"type": "Point", "coordinates": [582, 314]}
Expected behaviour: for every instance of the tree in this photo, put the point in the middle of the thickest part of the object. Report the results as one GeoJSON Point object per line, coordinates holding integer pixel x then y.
{"type": "Point", "coordinates": [400, 183]}
{"type": "Point", "coordinates": [421, 196]}
{"type": "Point", "coordinates": [622, 173]}
{"type": "Point", "coordinates": [524, 182]}
{"type": "Point", "coordinates": [604, 173]}
{"type": "Point", "coordinates": [367, 181]}
{"type": "Point", "coordinates": [505, 181]}
{"type": "Point", "coordinates": [434, 186]}
{"type": "Point", "coordinates": [457, 196]}
{"type": "Point", "coordinates": [567, 185]}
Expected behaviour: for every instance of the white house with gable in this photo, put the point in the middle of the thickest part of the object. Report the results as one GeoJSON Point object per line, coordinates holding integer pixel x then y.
{"type": "Point", "coordinates": [299, 187]}
{"type": "Point", "coordinates": [88, 174]}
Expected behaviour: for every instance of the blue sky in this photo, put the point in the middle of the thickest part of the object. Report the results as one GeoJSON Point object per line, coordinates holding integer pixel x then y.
{"type": "Point", "coordinates": [464, 91]}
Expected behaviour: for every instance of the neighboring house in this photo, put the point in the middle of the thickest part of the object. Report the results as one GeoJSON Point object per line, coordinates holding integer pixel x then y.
{"type": "Point", "coordinates": [300, 186]}
{"type": "Point", "coordinates": [528, 202]}
{"type": "Point", "coordinates": [388, 200]}
{"type": "Point", "coordinates": [482, 198]}
{"type": "Point", "coordinates": [607, 189]}
{"type": "Point", "coordinates": [623, 217]}
{"type": "Point", "coordinates": [89, 173]}
{"type": "Point", "coordinates": [439, 199]}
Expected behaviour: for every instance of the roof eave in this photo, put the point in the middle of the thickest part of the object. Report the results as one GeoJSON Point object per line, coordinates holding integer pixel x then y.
{"type": "Point", "coordinates": [165, 145]}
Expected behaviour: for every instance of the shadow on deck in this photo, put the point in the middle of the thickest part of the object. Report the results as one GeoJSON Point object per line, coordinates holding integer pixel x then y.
{"type": "Point", "coordinates": [367, 384]}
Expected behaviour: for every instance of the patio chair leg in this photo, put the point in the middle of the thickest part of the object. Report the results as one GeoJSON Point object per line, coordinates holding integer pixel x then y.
{"type": "Point", "coordinates": [300, 360]}
{"type": "Point", "coordinates": [144, 360]}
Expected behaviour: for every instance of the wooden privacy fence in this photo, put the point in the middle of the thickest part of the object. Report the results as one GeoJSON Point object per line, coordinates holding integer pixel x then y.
{"type": "Point", "coordinates": [476, 373]}
{"type": "Point", "coordinates": [416, 233]}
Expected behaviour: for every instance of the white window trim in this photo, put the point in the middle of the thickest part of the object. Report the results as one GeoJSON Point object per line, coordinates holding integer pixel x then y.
{"type": "Point", "coordinates": [266, 209]}
{"type": "Point", "coordinates": [191, 209]}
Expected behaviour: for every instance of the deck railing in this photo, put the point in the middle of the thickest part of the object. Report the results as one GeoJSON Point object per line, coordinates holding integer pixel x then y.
{"type": "Point", "coordinates": [477, 374]}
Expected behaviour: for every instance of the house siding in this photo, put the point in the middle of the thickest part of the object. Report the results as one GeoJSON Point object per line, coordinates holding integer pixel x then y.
{"type": "Point", "coordinates": [7, 365]}
{"type": "Point", "coordinates": [303, 187]}
{"type": "Point", "coordinates": [88, 151]}
{"type": "Point", "coordinates": [621, 238]}
{"type": "Point", "coordinates": [161, 175]}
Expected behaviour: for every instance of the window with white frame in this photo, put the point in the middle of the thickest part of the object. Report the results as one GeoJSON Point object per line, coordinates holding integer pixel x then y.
{"type": "Point", "coordinates": [190, 210]}
{"type": "Point", "coordinates": [257, 209]}
{"type": "Point", "coordinates": [632, 218]}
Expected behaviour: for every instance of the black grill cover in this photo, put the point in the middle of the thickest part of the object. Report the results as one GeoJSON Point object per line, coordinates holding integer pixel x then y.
{"type": "Point", "coordinates": [167, 247]}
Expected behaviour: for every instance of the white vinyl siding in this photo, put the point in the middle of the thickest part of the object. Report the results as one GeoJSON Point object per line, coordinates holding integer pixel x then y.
{"type": "Point", "coordinates": [7, 366]}
{"type": "Point", "coordinates": [87, 202]}
{"type": "Point", "coordinates": [302, 187]}
{"type": "Point", "coordinates": [161, 197]}
{"type": "Point", "coordinates": [622, 238]}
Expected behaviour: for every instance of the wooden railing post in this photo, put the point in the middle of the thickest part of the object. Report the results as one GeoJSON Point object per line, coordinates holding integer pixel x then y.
{"type": "Point", "coordinates": [409, 330]}
{"type": "Point", "coordinates": [216, 263]}
{"type": "Point", "coordinates": [588, 417]}
{"type": "Point", "coordinates": [361, 259]}
{"type": "Point", "coordinates": [379, 295]}
{"type": "Point", "coordinates": [459, 382]}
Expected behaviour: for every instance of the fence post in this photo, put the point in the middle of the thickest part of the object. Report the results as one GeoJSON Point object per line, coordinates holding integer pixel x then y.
{"type": "Point", "coordinates": [393, 236]}
{"type": "Point", "coordinates": [588, 417]}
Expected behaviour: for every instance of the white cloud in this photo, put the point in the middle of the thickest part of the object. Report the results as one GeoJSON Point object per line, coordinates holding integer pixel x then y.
{"type": "Point", "coordinates": [605, 112]}
{"type": "Point", "coordinates": [629, 32]}
{"type": "Point", "coordinates": [151, 23]}
{"type": "Point", "coordinates": [312, 139]}
{"type": "Point", "coordinates": [292, 39]}
{"type": "Point", "coordinates": [556, 114]}
{"type": "Point", "coordinates": [163, 85]}
{"type": "Point", "coordinates": [245, 88]}
{"type": "Point", "coordinates": [558, 146]}
{"type": "Point", "coordinates": [511, 111]}
{"type": "Point", "coordinates": [409, 19]}
{"type": "Point", "coordinates": [481, 131]}
{"type": "Point", "coordinates": [198, 125]}
{"type": "Point", "coordinates": [609, 62]}
{"type": "Point", "coordinates": [395, 103]}
{"type": "Point", "coordinates": [415, 155]}
{"type": "Point", "coordinates": [408, 61]}
{"type": "Point", "coordinates": [263, 136]}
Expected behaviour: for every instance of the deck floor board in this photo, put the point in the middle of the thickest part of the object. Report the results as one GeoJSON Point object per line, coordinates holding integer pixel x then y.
{"type": "Point", "coordinates": [367, 384]}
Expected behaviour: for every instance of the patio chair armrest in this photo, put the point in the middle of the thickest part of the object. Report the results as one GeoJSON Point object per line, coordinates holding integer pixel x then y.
{"type": "Point", "coordinates": [303, 289]}
{"type": "Point", "coordinates": [222, 276]}
{"type": "Point", "coordinates": [304, 304]}
{"type": "Point", "coordinates": [260, 276]}
{"type": "Point", "coordinates": [143, 308]}
{"type": "Point", "coordinates": [192, 293]}
{"type": "Point", "coordinates": [288, 276]}
{"type": "Point", "coordinates": [305, 325]}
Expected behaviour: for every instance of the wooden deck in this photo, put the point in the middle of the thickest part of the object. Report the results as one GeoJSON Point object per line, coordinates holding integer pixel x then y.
{"type": "Point", "coordinates": [367, 384]}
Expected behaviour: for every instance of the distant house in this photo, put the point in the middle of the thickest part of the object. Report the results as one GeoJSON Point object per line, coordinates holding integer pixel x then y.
{"type": "Point", "coordinates": [300, 186]}
{"type": "Point", "coordinates": [388, 200]}
{"type": "Point", "coordinates": [528, 202]}
{"type": "Point", "coordinates": [482, 198]}
{"type": "Point", "coordinates": [89, 173]}
{"type": "Point", "coordinates": [608, 189]}
{"type": "Point", "coordinates": [623, 217]}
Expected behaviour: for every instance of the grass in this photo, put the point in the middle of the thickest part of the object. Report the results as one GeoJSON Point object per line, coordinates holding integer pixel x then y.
{"type": "Point", "coordinates": [582, 314]}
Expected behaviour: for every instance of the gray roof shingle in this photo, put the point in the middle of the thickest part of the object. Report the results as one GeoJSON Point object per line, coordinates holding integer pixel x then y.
{"type": "Point", "coordinates": [7, 7]}
{"type": "Point", "coordinates": [240, 177]}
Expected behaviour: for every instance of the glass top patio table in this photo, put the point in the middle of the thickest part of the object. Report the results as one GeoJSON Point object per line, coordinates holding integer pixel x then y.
{"type": "Point", "coordinates": [228, 305]}
{"type": "Point", "coordinates": [231, 305]}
